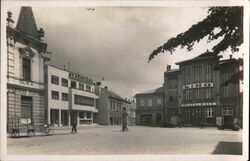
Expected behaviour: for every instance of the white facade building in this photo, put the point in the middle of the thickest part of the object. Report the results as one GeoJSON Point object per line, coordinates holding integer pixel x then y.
{"type": "Point", "coordinates": [69, 97]}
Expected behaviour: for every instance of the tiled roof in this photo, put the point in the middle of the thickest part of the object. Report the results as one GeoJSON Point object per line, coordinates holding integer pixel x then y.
{"type": "Point", "coordinates": [26, 22]}
{"type": "Point", "coordinates": [114, 95]}
{"type": "Point", "coordinates": [158, 90]}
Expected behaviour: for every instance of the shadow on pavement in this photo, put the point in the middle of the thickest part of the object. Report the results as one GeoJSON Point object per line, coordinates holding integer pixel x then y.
{"type": "Point", "coordinates": [232, 148]}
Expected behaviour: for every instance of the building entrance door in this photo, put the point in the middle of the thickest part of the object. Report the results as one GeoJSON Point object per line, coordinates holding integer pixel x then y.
{"type": "Point", "coordinates": [228, 119]}
{"type": "Point", "coordinates": [54, 117]}
{"type": "Point", "coordinates": [26, 107]}
{"type": "Point", "coordinates": [64, 117]}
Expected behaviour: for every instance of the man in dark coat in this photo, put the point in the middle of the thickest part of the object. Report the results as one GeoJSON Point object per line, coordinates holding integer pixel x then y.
{"type": "Point", "coordinates": [124, 120]}
{"type": "Point", "coordinates": [74, 130]}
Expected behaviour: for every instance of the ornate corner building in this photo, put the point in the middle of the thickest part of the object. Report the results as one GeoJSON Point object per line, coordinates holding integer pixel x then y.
{"type": "Point", "coordinates": [26, 56]}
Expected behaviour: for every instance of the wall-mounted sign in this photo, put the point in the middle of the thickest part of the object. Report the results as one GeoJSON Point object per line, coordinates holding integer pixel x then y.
{"type": "Point", "coordinates": [81, 78]}
{"type": "Point", "coordinates": [198, 85]}
{"type": "Point", "coordinates": [198, 104]}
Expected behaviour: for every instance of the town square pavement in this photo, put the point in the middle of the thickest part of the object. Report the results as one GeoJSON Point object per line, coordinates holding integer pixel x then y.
{"type": "Point", "coordinates": [97, 139]}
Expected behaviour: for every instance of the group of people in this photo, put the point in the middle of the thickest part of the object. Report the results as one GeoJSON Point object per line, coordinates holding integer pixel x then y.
{"type": "Point", "coordinates": [124, 122]}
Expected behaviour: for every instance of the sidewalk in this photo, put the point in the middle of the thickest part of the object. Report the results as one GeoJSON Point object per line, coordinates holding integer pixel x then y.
{"type": "Point", "coordinates": [57, 131]}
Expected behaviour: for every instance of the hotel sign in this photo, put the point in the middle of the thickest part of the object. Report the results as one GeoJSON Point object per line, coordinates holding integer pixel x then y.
{"type": "Point", "coordinates": [198, 104]}
{"type": "Point", "coordinates": [81, 78]}
{"type": "Point", "coordinates": [197, 85]}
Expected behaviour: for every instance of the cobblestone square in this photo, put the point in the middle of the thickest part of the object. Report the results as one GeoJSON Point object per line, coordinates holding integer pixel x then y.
{"type": "Point", "coordinates": [95, 140]}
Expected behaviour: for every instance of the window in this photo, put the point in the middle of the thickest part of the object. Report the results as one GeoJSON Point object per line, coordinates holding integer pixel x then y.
{"type": "Point", "coordinates": [158, 101]}
{"type": "Point", "coordinates": [141, 102]}
{"type": "Point", "coordinates": [172, 83]}
{"type": "Point", "coordinates": [187, 95]}
{"type": "Point", "coordinates": [186, 75]}
{"type": "Point", "coordinates": [197, 74]}
{"type": "Point", "coordinates": [197, 93]}
{"type": "Point", "coordinates": [227, 111]}
{"type": "Point", "coordinates": [199, 112]}
{"type": "Point", "coordinates": [65, 97]}
{"type": "Point", "coordinates": [55, 95]}
{"type": "Point", "coordinates": [26, 69]}
{"type": "Point", "coordinates": [150, 103]}
{"type": "Point", "coordinates": [26, 106]}
{"type": "Point", "coordinates": [173, 95]}
{"type": "Point", "coordinates": [89, 115]}
{"type": "Point", "coordinates": [83, 100]}
{"type": "Point", "coordinates": [73, 84]}
{"type": "Point", "coordinates": [55, 80]}
{"type": "Point", "coordinates": [65, 82]}
{"type": "Point", "coordinates": [209, 112]}
{"type": "Point", "coordinates": [111, 105]}
{"type": "Point", "coordinates": [188, 113]}
{"type": "Point", "coordinates": [88, 88]}
{"type": "Point", "coordinates": [208, 73]}
{"type": "Point", "coordinates": [208, 93]}
{"type": "Point", "coordinates": [227, 91]}
{"type": "Point", "coordinates": [81, 86]}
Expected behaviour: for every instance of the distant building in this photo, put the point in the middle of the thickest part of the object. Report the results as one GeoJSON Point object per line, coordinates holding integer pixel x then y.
{"type": "Point", "coordinates": [26, 56]}
{"type": "Point", "coordinates": [70, 97]}
{"type": "Point", "coordinates": [110, 106]}
{"type": "Point", "coordinates": [150, 107]}
{"type": "Point", "coordinates": [195, 94]}
{"type": "Point", "coordinates": [172, 108]}
{"type": "Point", "coordinates": [131, 109]}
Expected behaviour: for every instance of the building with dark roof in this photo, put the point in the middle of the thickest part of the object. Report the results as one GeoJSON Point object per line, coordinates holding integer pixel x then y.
{"type": "Point", "coordinates": [110, 106]}
{"type": "Point", "coordinates": [26, 53]}
{"type": "Point", "coordinates": [150, 107]}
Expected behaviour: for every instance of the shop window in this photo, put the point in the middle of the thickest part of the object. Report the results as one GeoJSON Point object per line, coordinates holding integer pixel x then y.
{"type": "Point", "coordinates": [199, 112]}
{"type": "Point", "coordinates": [227, 111]}
{"type": "Point", "coordinates": [209, 112]}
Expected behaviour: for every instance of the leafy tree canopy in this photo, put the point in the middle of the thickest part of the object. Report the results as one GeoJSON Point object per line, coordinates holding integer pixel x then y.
{"type": "Point", "coordinates": [229, 21]}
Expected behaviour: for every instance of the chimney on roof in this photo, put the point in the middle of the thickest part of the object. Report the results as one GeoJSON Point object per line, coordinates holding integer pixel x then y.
{"type": "Point", "coordinates": [106, 87]}
{"type": "Point", "coordinates": [98, 83]}
{"type": "Point", "coordinates": [230, 56]}
{"type": "Point", "coordinates": [41, 34]}
{"type": "Point", "coordinates": [168, 67]}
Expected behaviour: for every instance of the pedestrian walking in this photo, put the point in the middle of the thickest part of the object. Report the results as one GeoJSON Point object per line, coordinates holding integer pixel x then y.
{"type": "Point", "coordinates": [124, 120]}
{"type": "Point", "coordinates": [74, 130]}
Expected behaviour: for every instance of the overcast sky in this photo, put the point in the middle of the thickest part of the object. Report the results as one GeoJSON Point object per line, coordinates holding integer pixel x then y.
{"type": "Point", "coordinates": [115, 42]}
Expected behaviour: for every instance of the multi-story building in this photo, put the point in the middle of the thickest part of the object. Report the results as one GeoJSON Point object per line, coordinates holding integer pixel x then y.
{"type": "Point", "coordinates": [172, 100]}
{"type": "Point", "coordinates": [131, 110]}
{"type": "Point", "coordinates": [110, 106]}
{"type": "Point", "coordinates": [69, 97]}
{"type": "Point", "coordinates": [195, 94]}
{"type": "Point", "coordinates": [150, 107]}
{"type": "Point", "coordinates": [26, 53]}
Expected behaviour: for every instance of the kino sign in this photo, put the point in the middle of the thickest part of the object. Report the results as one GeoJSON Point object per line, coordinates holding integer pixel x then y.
{"type": "Point", "coordinates": [198, 104]}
